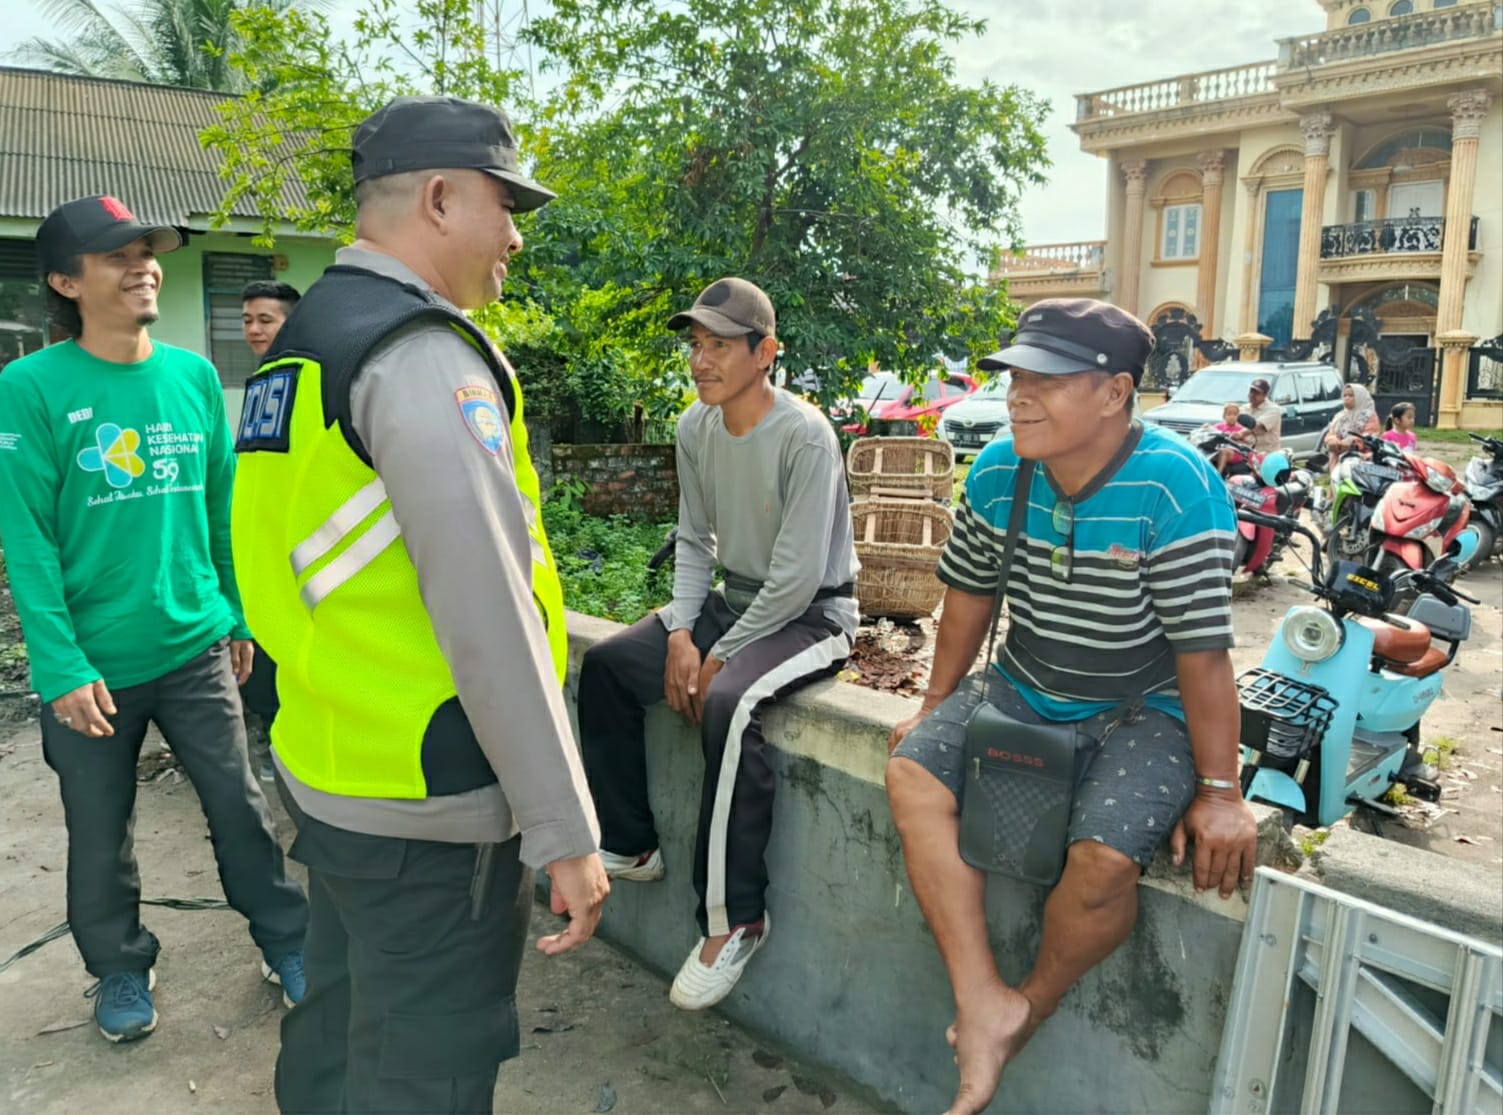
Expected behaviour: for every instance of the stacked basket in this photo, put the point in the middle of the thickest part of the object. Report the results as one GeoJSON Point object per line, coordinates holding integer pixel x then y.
{"type": "Point", "coordinates": [900, 529]}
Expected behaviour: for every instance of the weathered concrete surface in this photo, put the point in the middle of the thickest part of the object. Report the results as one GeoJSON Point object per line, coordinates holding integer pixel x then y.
{"type": "Point", "coordinates": [851, 976]}
{"type": "Point", "coordinates": [590, 1020]}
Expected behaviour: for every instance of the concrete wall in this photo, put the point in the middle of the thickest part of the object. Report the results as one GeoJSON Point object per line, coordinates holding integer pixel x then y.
{"type": "Point", "coordinates": [851, 976]}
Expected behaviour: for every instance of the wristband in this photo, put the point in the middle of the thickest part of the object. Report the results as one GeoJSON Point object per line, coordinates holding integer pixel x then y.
{"type": "Point", "coordinates": [1216, 783]}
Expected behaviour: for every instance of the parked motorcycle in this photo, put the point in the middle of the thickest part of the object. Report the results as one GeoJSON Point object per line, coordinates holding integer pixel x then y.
{"type": "Point", "coordinates": [1272, 485]}
{"type": "Point", "coordinates": [1484, 487]}
{"type": "Point", "coordinates": [1345, 511]}
{"type": "Point", "coordinates": [1430, 503]}
{"type": "Point", "coordinates": [1330, 719]}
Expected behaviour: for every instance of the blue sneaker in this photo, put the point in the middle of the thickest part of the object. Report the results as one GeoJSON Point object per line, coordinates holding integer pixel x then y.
{"type": "Point", "coordinates": [122, 1005]}
{"type": "Point", "coordinates": [287, 970]}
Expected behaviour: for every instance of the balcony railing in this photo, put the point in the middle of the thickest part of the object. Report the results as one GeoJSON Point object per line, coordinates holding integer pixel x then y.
{"type": "Point", "coordinates": [1154, 96]}
{"type": "Point", "coordinates": [1054, 259]}
{"type": "Point", "coordinates": [1396, 234]}
{"type": "Point", "coordinates": [1464, 21]}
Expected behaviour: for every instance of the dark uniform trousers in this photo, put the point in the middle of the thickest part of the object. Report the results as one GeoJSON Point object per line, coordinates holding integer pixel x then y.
{"type": "Point", "coordinates": [197, 708]}
{"type": "Point", "coordinates": [622, 675]}
{"type": "Point", "coordinates": [410, 1006]}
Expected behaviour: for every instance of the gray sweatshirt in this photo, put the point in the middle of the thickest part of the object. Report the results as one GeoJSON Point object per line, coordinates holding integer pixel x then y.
{"type": "Point", "coordinates": [770, 506]}
{"type": "Point", "coordinates": [465, 528]}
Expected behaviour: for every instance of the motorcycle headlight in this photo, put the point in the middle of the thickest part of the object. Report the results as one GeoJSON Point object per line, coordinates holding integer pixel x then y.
{"type": "Point", "coordinates": [1312, 634]}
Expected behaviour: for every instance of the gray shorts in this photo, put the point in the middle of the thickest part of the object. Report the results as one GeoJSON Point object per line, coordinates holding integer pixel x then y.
{"type": "Point", "coordinates": [1140, 782]}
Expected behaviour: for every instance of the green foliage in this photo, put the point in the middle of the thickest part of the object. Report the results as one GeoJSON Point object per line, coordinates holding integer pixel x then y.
{"type": "Point", "coordinates": [1398, 795]}
{"type": "Point", "coordinates": [185, 43]}
{"type": "Point", "coordinates": [824, 150]}
{"type": "Point", "coordinates": [1312, 840]}
{"type": "Point", "coordinates": [1441, 753]}
{"type": "Point", "coordinates": [603, 562]}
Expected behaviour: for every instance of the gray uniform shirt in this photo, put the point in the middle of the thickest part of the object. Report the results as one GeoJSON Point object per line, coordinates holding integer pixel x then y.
{"type": "Point", "coordinates": [771, 506]}
{"type": "Point", "coordinates": [465, 528]}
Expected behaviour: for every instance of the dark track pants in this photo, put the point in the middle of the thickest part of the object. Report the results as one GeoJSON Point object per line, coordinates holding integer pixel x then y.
{"type": "Point", "coordinates": [621, 676]}
{"type": "Point", "coordinates": [197, 708]}
{"type": "Point", "coordinates": [410, 1003]}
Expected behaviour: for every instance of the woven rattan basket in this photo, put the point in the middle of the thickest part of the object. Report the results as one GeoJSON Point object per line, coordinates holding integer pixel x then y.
{"type": "Point", "coordinates": [901, 466]}
{"type": "Point", "coordinates": [899, 543]}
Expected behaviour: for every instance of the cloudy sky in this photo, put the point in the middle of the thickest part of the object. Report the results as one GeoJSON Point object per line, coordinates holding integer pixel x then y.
{"type": "Point", "coordinates": [1057, 48]}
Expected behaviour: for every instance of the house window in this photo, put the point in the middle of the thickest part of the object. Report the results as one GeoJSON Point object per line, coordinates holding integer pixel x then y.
{"type": "Point", "coordinates": [1181, 232]}
{"type": "Point", "coordinates": [1403, 7]}
{"type": "Point", "coordinates": [1364, 205]}
{"type": "Point", "coordinates": [23, 308]}
{"type": "Point", "coordinates": [1359, 15]}
{"type": "Point", "coordinates": [1281, 214]}
{"type": "Point", "coordinates": [225, 276]}
{"type": "Point", "coordinates": [1443, 4]}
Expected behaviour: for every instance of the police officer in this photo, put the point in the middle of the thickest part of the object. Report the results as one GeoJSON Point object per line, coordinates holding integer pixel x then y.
{"type": "Point", "coordinates": [389, 547]}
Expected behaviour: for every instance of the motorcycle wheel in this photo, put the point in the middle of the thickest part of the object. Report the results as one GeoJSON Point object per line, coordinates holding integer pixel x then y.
{"type": "Point", "coordinates": [1387, 564]}
{"type": "Point", "coordinates": [1487, 541]}
{"type": "Point", "coordinates": [1342, 541]}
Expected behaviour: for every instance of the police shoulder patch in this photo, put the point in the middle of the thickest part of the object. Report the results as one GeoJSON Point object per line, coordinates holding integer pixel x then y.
{"type": "Point", "coordinates": [482, 416]}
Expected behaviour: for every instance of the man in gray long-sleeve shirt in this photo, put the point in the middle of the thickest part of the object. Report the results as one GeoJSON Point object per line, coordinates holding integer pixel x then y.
{"type": "Point", "coordinates": [762, 490]}
{"type": "Point", "coordinates": [387, 538]}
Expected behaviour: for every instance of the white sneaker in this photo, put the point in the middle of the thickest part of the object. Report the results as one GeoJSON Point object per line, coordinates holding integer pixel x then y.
{"type": "Point", "coordinates": [646, 868]}
{"type": "Point", "coordinates": [698, 986]}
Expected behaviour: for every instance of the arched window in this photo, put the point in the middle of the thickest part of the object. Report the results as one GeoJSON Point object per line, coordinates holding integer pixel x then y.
{"type": "Point", "coordinates": [1444, 4]}
{"type": "Point", "coordinates": [1359, 15]}
{"type": "Point", "coordinates": [1402, 7]}
{"type": "Point", "coordinates": [1178, 203]}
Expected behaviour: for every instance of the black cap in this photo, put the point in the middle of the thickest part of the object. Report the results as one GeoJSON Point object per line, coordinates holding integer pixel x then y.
{"type": "Point", "coordinates": [443, 133]}
{"type": "Point", "coordinates": [729, 308]}
{"type": "Point", "coordinates": [1062, 336]}
{"type": "Point", "coordinates": [96, 224]}
{"type": "Point", "coordinates": [1260, 385]}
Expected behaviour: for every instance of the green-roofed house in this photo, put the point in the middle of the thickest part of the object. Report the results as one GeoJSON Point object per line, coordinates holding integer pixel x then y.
{"type": "Point", "coordinates": [63, 137]}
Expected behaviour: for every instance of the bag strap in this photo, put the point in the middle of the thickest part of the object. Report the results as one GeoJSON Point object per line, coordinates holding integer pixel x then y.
{"type": "Point", "coordinates": [1022, 490]}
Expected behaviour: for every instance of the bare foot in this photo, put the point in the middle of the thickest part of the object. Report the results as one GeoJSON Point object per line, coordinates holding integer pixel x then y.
{"type": "Point", "coordinates": [989, 1032]}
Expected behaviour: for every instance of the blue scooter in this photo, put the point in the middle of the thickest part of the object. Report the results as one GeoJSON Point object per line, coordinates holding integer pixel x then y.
{"type": "Point", "coordinates": [1330, 720]}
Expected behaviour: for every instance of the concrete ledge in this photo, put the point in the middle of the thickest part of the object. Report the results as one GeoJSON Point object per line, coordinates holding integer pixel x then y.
{"type": "Point", "coordinates": [851, 976]}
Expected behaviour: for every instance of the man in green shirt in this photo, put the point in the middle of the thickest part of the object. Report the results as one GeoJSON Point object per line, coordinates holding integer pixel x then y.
{"type": "Point", "coordinates": [116, 469]}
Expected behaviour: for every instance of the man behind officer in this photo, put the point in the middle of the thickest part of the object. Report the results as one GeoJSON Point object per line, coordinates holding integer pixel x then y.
{"type": "Point", "coordinates": [264, 306]}
{"type": "Point", "coordinates": [389, 546]}
{"type": "Point", "coordinates": [1120, 587]}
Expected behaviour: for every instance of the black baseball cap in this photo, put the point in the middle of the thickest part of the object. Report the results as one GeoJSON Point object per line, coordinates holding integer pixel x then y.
{"type": "Point", "coordinates": [443, 133]}
{"type": "Point", "coordinates": [730, 307]}
{"type": "Point", "coordinates": [1062, 336]}
{"type": "Point", "coordinates": [96, 224]}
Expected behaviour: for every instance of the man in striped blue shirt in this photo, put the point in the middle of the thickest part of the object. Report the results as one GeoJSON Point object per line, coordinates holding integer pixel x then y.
{"type": "Point", "coordinates": [1120, 586]}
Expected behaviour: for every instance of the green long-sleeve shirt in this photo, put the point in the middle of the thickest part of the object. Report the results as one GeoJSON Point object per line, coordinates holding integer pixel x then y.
{"type": "Point", "coordinates": [115, 483]}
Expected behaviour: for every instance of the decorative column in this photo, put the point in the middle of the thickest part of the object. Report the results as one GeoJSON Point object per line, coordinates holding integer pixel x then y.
{"type": "Point", "coordinates": [1135, 173]}
{"type": "Point", "coordinates": [1317, 127]}
{"type": "Point", "coordinates": [1467, 112]}
{"type": "Point", "coordinates": [1249, 322]}
{"type": "Point", "coordinates": [1212, 163]}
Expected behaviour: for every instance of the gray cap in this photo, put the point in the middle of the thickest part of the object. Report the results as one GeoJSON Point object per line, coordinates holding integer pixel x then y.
{"type": "Point", "coordinates": [1062, 336]}
{"type": "Point", "coordinates": [443, 133]}
{"type": "Point", "coordinates": [728, 308]}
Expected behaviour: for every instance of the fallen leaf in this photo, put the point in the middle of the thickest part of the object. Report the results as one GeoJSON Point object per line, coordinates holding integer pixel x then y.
{"type": "Point", "coordinates": [773, 1093]}
{"type": "Point", "coordinates": [559, 1027]}
{"type": "Point", "coordinates": [43, 1064]}
{"type": "Point", "coordinates": [221, 1032]}
{"type": "Point", "coordinates": [59, 1027]}
{"type": "Point", "coordinates": [767, 1060]}
{"type": "Point", "coordinates": [192, 1087]}
{"type": "Point", "coordinates": [606, 1099]}
{"type": "Point", "coordinates": [805, 1085]}
{"type": "Point", "coordinates": [1465, 839]}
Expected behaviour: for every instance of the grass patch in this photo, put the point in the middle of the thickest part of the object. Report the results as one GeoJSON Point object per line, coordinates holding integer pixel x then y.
{"type": "Point", "coordinates": [1398, 794]}
{"type": "Point", "coordinates": [1313, 840]}
{"type": "Point", "coordinates": [602, 562]}
{"type": "Point", "coordinates": [1453, 437]}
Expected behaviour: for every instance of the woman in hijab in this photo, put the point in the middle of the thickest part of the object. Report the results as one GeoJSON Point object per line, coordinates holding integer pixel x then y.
{"type": "Point", "coordinates": [1357, 417]}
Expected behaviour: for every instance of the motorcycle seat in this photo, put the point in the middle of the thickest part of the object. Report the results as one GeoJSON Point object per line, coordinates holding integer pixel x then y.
{"type": "Point", "coordinates": [1398, 639]}
{"type": "Point", "coordinates": [1432, 660]}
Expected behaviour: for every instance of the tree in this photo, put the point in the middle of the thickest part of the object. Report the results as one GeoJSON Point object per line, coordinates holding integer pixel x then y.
{"type": "Point", "coordinates": [185, 43]}
{"type": "Point", "coordinates": [825, 151]}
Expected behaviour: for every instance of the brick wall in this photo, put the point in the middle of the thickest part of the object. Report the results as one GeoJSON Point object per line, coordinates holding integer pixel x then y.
{"type": "Point", "coordinates": [637, 480]}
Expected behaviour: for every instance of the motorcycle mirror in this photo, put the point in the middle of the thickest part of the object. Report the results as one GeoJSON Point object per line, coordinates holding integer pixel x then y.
{"type": "Point", "coordinates": [1247, 422]}
{"type": "Point", "coordinates": [1463, 547]}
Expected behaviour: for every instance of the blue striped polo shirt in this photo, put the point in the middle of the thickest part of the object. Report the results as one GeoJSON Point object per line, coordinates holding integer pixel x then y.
{"type": "Point", "coordinates": [1149, 577]}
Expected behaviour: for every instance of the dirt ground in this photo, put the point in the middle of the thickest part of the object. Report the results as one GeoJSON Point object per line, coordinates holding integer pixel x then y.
{"type": "Point", "coordinates": [597, 1030]}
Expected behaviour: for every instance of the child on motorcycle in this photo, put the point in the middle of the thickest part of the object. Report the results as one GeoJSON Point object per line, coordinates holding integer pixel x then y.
{"type": "Point", "coordinates": [1400, 429]}
{"type": "Point", "coordinates": [1237, 432]}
